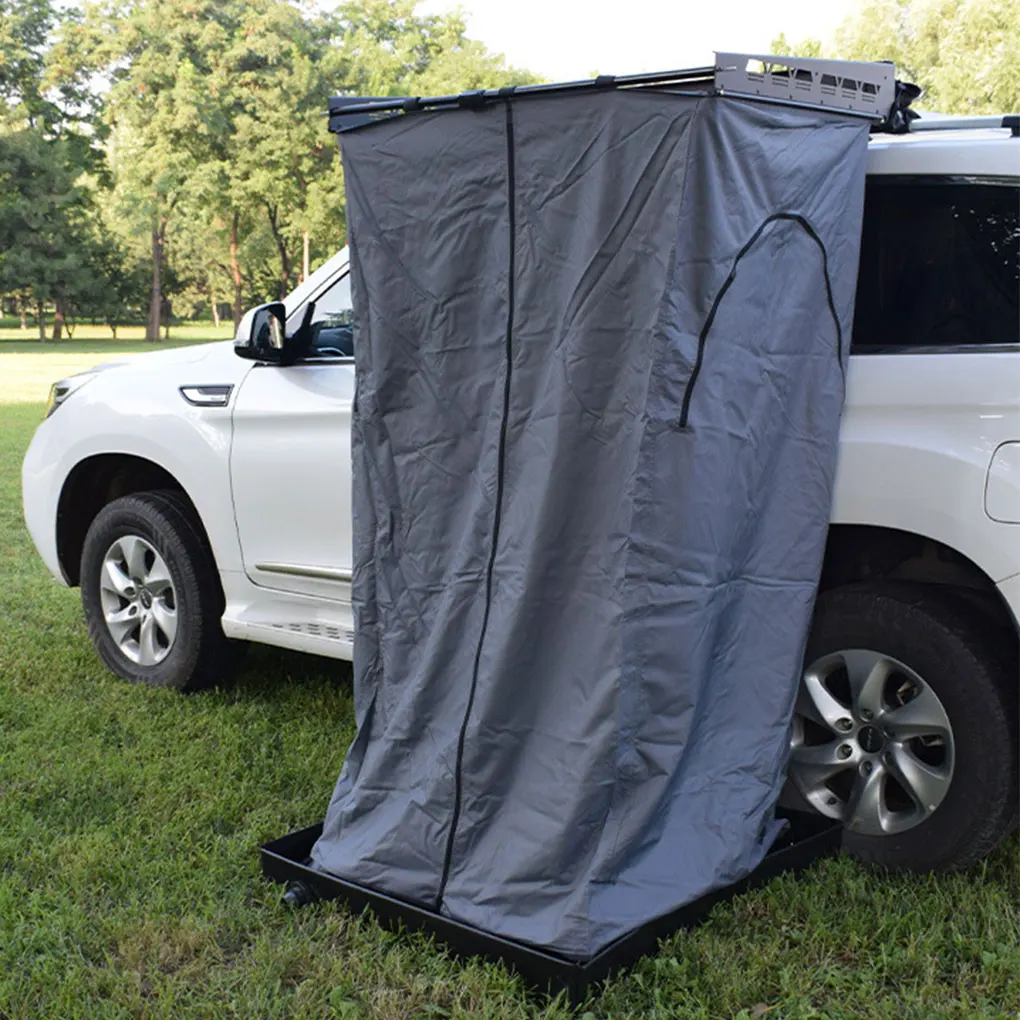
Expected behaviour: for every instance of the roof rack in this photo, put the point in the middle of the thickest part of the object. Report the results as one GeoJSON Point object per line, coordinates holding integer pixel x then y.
{"type": "Point", "coordinates": [858, 88]}
{"type": "Point", "coordinates": [850, 86]}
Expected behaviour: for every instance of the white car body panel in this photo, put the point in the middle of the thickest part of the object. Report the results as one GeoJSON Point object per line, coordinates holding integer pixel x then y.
{"type": "Point", "coordinates": [984, 153]}
{"type": "Point", "coordinates": [292, 437]}
{"type": "Point", "coordinates": [137, 409]}
{"type": "Point", "coordinates": [1002, 491]}
{"type": "Point", "coordinates": [916, 445]}
{"type": "Point", "coordinates": [270, 473]}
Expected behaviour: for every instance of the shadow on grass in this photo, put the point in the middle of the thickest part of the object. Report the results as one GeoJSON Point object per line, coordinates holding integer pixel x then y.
{"type": "Point", "coordinates": [265, 673]}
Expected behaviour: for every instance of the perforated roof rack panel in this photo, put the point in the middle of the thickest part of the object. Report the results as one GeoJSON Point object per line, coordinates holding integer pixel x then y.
{"type": "Point", "coordinates": [847, 85]}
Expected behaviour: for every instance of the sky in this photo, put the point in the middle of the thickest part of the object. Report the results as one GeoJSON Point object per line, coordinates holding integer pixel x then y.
{"type": "Point", "coordinates": [565, 39]}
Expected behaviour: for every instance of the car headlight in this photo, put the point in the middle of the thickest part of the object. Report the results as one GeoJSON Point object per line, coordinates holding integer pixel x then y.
{"type": "Point", "coordinates": [60, 391]}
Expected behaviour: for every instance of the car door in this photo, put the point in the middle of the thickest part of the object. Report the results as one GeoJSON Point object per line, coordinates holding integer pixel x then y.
{"type": "Point", "coordinates": [290, 459]}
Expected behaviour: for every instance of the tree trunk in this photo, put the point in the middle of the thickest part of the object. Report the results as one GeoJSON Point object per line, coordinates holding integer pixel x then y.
{"type": "Point", "coordinates": [306, 252]}
{"type": "Point", "coordinates": [156, 298]}
{"type": "Point", "coordinates": [58, 320]}
{"type": "Point", "coordinates": [21, 312]}
{"type": "Point", "coordinates": [215, 310]}
{"type": "Point", "coordinates": [42, 320]}
{"type": "Point", "coordinates": [281, 247]}
{"type": "Point", "coordinates": [235, 272]}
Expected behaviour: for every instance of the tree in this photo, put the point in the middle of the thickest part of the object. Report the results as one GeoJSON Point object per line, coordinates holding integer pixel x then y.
{"type": "Point", "coordinates": [198, 256]}
{"type": "Point", "coordinates": [976, 49]}
{"type": "Point", "coordinates": [285, 162]}
{"type": "Point", "coordinates": [114, 285]}
{"type": "Point", "coordinates": [194, 129]}
{"type": "Point", "coordinates": [40, 89]}
{"type": "Point", "coordinates": [280, 149]}
{"type": "Point", "coordinates": [26, 27]}
{"type": "Point", "coordinates": [807, 47]}
{"type": "Point", "coordinates": [171, 115]}
{"type": "Point", "coordinates": [49, 147]}
{"type": "Point", "coordinates": [48, 238]}
{"type": "Point", "coordinates": [385, 48]}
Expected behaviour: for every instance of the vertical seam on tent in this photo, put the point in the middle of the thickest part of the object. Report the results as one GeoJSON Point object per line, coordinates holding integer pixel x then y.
{"type": "Point", "coordinates": [802, 222]}
{"type": "Point", "coordinates": [658, 339]}
{"type": "Point", "coordinates": [498, 512]}
{"type": "Point", "coordinates": [660, 331]}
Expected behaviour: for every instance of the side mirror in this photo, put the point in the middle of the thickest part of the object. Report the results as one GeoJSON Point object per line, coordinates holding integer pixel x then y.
{"type": "Point", "coordinates": [262, 335]}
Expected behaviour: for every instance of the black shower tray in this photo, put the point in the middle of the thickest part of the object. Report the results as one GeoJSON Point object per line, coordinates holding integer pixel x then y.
{"type": "Point", "coordinates": [805, 839]}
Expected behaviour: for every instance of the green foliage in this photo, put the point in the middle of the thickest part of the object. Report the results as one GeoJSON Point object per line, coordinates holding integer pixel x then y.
{"type": "Point", "coordinates": [216, 167]}
{"type": "Point", "coordinates": [384, 48]}
{"type": "Point", "coordinates": [977, 43]}
{"type": "Point", "coordinates": [48, 245]}
{"type": "Point", "coordinates": [807, 47]}
{"type": "Point", "coordinates": [114, 285]}
{"type": "Point", "coordinates": [38, 90]}
{"type": "Point", "coordinates": [50, 242]}
{"type": "Point", "coordinates": [219, 129]}
{"type": "Point", "coordinates": [25, 26]}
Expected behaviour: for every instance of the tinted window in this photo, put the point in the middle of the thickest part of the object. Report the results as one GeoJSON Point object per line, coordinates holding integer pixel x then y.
{"type": "Point", "coordinates": [333, 322]}
{"type": "Point", "coordinates": [940, 265]}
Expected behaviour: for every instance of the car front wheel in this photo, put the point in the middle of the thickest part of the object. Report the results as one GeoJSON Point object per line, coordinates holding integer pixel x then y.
{"type": "Point", "coordinates": [903, 728]}
{"type": "Point", "coordinates": [151, 595]}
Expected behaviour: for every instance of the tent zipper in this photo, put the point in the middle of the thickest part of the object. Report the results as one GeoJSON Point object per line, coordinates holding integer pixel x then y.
{"type": "Point", "coordinates": [498, 512]}
{"type": "Point", "coordinates": [685, 407]}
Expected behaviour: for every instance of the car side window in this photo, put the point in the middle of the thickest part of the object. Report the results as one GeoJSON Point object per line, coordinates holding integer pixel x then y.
{"type": "Point", "coordinates": [940, 265]}
{"type": "Point", "coordinates": [333, 322]}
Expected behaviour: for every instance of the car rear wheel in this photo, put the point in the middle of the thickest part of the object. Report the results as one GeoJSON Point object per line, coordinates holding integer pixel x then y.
{"type": "Point", "coordinates": [903, 729]}
{"type": "Point", "coordinates": [151, 595]}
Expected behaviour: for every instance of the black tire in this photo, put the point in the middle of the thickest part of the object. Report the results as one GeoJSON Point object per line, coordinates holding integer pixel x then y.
{"type": "Point", "coordinates": [950, 645]}
{"type": "Point", "coordinates": [200, 655]}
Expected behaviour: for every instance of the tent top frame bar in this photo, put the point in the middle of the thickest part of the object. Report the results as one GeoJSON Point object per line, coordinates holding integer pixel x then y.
{"type": "Point", "coordinates": [351, 105]}
{"type": "Point", "coordinates": [867, 89]}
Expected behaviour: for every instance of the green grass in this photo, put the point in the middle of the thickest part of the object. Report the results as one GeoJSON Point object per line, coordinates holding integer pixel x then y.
{"type": "Point", "coordinates": [130, 886]}
{"type": "Point", "coordinates": [28, 367]}
{"type": "Point", "coordinates": [190, 332]}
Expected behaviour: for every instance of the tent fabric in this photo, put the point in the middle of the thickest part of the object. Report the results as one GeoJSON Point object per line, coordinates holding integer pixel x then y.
{"type": "Point", "coordinates": [600, 350]}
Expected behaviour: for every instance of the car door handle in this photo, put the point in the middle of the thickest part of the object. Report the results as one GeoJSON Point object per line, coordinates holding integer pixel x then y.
{"type": "Point", "coordinates": [207, 396]}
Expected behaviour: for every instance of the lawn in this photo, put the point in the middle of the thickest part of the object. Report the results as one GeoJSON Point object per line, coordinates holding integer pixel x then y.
{"type": "Point", "coordinates": [188, 332]}
{"type": "Point", "coordinates": [28, 366]}
{"type": "Point", "coordinates": [130, 885]}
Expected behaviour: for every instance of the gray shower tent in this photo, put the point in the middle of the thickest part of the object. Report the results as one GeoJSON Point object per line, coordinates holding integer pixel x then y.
{"type": "Point", "coordinates": [601, 341]}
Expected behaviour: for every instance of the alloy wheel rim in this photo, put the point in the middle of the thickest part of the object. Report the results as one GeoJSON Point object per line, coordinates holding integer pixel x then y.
{"type": "Point", "coordinates": [138, 600]}
{"type": "Point", "coordinates": [871, 745]}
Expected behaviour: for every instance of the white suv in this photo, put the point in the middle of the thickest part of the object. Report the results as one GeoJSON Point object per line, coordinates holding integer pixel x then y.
{"type": "Point", "coordinates": [197, 497]}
